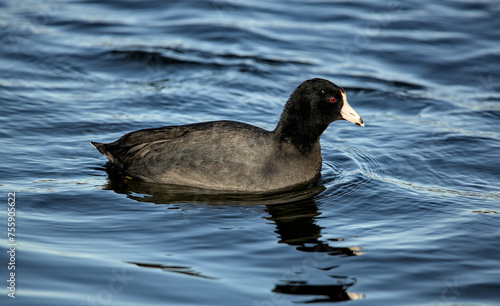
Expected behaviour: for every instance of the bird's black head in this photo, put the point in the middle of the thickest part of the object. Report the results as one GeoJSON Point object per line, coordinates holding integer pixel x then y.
{"type": "Point", "coordinates": [311, 108]}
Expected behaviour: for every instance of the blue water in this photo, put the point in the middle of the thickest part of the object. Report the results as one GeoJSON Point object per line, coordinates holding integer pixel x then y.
{"type": "Point", "coordinates": [407, 210]}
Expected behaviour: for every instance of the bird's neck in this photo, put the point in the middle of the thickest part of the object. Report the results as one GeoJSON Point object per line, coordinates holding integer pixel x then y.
{"type": "Point", "coordinates": [299, 132]}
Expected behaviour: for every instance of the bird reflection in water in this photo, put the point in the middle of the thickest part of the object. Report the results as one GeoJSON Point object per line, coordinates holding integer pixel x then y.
{"type": "Point", "coordinates": [293, 212]}
{"type": "Point", "coordinates": [295, 226]}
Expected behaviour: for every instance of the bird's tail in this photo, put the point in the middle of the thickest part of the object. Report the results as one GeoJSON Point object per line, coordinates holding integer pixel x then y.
{"type": "Point", "coordinates": [105, 150]}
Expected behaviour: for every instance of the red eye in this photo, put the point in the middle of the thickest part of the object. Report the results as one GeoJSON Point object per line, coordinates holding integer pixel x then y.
{"type": "Point", "coordinates": [333, 100]}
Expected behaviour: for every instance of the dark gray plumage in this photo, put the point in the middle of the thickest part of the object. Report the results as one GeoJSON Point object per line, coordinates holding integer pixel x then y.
{"type": "Point", "coordinates": [234, 156]}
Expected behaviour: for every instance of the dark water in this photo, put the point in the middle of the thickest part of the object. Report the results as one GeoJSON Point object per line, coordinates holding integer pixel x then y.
{"type": "Point", "coordinates": [407, 209]}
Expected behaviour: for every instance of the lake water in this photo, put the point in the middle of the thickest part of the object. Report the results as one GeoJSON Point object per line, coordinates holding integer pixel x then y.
{"type": "Point", "coordinates": [407, 210]}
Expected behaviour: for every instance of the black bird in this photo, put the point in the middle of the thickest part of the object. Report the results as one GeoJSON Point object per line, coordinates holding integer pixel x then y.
{"type": "Point", "coordinates": [235, 156]}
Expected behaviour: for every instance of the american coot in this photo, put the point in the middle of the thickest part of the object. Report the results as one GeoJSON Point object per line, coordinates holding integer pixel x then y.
{"type": "Point", "coordinates": [235, 156]}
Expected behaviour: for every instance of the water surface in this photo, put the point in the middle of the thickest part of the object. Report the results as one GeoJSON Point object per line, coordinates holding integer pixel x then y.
{"type": "Point", "coordinates": [406, 211]}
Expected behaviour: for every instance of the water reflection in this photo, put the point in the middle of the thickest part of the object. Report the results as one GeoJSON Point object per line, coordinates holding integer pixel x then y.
{"type": "Point", "coordinates": [293, 212]}
{"type": "Point", "coordinates": [174, 269]}
{"type": "Point", "coordinates": [296, 226]}
{"type": "Point", "coordinates": [331, 293]}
